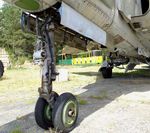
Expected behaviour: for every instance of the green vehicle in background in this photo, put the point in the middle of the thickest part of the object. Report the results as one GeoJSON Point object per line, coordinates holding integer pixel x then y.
{"type": "Point", "coordinates": [64, 59]}
{"type": "Point", "coordinates": [83, 58]}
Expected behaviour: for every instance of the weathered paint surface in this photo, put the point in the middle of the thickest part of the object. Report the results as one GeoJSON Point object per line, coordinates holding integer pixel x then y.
{"type": "Point", "coordinates": [114, 17]}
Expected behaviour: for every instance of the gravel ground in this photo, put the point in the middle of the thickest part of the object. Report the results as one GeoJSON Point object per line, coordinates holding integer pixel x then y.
{"type": "Point", "coordinates": [117, 105]}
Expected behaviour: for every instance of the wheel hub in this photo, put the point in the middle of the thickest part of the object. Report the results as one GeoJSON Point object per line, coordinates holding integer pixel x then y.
{"type": "Point", "coordinates": [69, 114]}
{"type": "Point", "coordinates": [48, 112]}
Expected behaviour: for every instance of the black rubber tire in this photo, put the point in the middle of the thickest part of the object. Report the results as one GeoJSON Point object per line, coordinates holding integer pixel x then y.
{"type": "Point", "coordinates": [39, 113]}
{"type": "Point", "coordinates": [106, 73]}
{"type": "Point", "coordinates": [1, 69]}
{"type": "Point", "coordinates": [58, 112]}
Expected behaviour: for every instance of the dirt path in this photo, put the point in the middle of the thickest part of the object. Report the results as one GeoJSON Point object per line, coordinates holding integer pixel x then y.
{"type": "Point", "coordinates": [117, 105]}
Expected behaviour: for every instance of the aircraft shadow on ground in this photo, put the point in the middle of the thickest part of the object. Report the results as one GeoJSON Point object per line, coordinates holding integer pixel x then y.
{"type": "Point", "coordinates": [96, 95]}
{"type": "Point", "coordinates": [111, 89]}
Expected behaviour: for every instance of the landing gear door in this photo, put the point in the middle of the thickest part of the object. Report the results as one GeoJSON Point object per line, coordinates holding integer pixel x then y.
{"type": "Point", "coordinates": [130, 8]}
{"type": "Point", "coordinates": [141, 23]}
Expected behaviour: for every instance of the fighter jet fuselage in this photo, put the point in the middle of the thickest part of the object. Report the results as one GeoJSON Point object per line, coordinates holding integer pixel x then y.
{"type": "Point", "coordinates": [116, 18]}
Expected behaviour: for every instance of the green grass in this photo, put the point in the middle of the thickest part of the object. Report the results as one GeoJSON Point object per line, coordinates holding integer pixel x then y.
{"type": "Point", "coordinates": [21, 85]}
{"type": "Point", "coordinates": [140, 72]}
{"type": "Point", "coordinates": [81, 101]}
{"type": "Point", "coordinates": [103, 95]}
{"type": "Point", "coordinates": [16, 130]}
{"type": "Point", "coordinates": [31, 101]}
{"type": "Point", "coordinates": [18, 79]}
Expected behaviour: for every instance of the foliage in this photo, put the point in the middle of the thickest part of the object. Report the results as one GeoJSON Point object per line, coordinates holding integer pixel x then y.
{"type": "Point", "coordinates": [18, 44]}
{"type": "Point", "coordinates": [16, 131]}
{"type": "Point", "coordinates": [81, 101]}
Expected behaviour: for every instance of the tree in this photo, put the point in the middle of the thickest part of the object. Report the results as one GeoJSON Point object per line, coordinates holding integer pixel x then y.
{"type": "Point", "coordinates": [18, 44]}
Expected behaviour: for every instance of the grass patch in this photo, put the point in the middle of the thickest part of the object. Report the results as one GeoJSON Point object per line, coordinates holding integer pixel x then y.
{"type": "Point", "coordinates": [16, 131]}
{"type": "Point", "coordinates": [103, 95]}
{"type": "Point", "coordinates": [137, 72]}
{"type": "Point", "coordinates": [81, 101]}
{"type": "Point", "coordinates": [21, 85]}
{"type": "Point", "coordinates": [31, 101]}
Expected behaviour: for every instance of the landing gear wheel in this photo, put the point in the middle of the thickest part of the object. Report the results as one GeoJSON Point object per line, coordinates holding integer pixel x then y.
{"type": "Point", "coordinates": [1, 69]}
{"type": "Point", "coordinates": [106, 72]}
{"type": "Point", "coordinates": [43, 112]}
{"type": "Point", "coordinates": [65, 113]}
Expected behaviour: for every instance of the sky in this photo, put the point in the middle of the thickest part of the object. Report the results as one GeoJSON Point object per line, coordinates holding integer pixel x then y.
{"type": "Point", "coordinates": [1, 3]}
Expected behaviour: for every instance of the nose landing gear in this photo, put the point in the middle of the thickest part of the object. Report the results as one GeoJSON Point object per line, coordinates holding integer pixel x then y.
{"type": "Point", "coordinates": [52, 110]}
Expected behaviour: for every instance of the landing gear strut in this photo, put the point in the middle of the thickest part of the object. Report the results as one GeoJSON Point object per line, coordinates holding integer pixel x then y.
{"type": "Point", "coordinates": [52, 110]}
